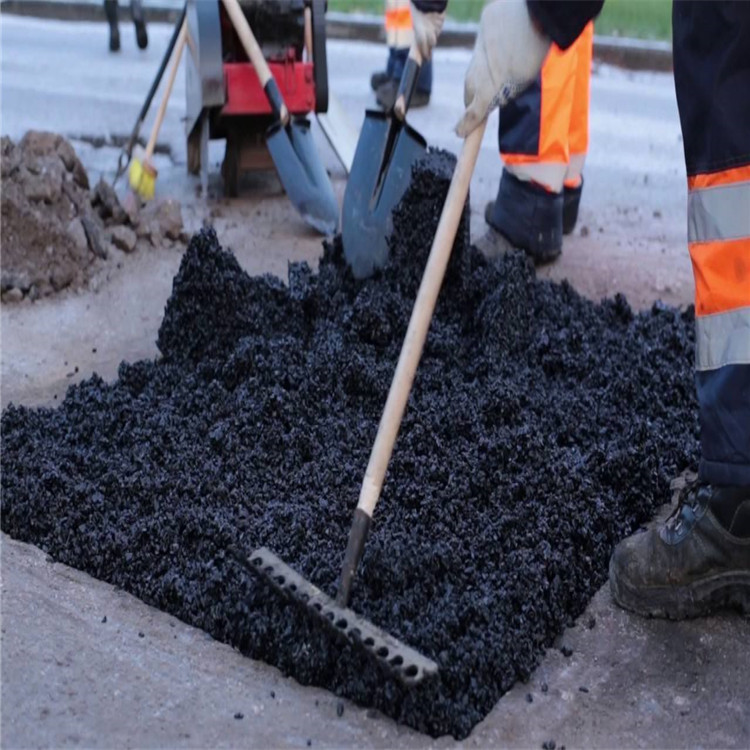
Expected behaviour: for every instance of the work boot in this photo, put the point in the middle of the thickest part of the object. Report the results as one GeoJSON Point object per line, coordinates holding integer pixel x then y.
{"type": "Point", "coordinates": [528, 216]}
{"type": "Point", "coordinates": [386, 96]}
{"type": "Point", "coordinates": [571, 201]}
{"type": "Point", "coordinates": [696, 562]}
{"type": "Point", "coordinates": [139, 21]}
{"type": "Point", "coordinates": [378, 78]}
{"type": "Point", "coordinates": [110, 11]}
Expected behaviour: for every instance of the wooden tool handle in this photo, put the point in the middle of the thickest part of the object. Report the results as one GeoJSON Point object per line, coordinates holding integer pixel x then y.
{"type": "Point", "coordinates": [416, 333]}
{"type": "Point", "coordinates": [404, 95]}
{"type": "Point", "coordinates": [308, 33]}
{"type": "Point", "coordinates": [179, 47]}
{"type": "Point", "coordinates": [250, 44]}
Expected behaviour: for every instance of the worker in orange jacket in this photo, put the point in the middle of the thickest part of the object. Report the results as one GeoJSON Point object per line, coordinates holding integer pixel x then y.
{"type": "Point", "coordinates": [399, 35]}
{"type": "Point", "coordinates": [698, 560]}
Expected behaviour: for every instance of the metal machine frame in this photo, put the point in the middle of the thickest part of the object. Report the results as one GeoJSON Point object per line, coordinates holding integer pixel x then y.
{"type": "Point", "coordinates": [224, 98]}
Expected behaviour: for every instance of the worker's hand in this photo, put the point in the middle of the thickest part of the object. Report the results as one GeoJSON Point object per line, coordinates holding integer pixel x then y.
{"type": "Point", "coordinates": [508, 55]}
{"type": "Point", "coordinates": [427, 26]}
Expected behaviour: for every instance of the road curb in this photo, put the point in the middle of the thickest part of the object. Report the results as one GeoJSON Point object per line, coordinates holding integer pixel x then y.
{"type": "Point", "coordinates": [634, 54]}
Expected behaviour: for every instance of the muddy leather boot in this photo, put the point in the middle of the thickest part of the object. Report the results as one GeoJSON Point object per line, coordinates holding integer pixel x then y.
{"type": "Point", "coordinates": [110, 11]}
{"type": "Point", "coordinates": [529, 217]}
{"type": "Point", "coordinates": [571, 202]}
{"type": "Point", "coordinates": [139, 21]}
{"type": "Point", "coordinates": [696, 562]}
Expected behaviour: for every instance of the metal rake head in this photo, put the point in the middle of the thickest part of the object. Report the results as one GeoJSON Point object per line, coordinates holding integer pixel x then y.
{"type": "Point", "coordinates": [393, 655]}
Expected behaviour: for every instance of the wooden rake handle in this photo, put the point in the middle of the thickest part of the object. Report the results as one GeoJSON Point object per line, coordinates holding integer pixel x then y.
{"type": "Point", "coordinates": [252, 48]}
{"type": "Point", "coordinates": [179, 47]}
{"type": "Point", "coordinates": [411, 352]}
{"type": "Point", "coordinates": [416, 333]}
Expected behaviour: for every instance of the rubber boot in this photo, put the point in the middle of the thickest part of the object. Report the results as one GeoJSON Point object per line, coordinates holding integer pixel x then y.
{"type": "Point", "coordinates": [139, 21]}
{"type": "Point", "coordinates": [110, 11]}
{"type": "Point", "coordinates": [697, 562]}
{"type": "Point", "coordinates": [571, 202]}
{"type": "Point", "coordinates": [529, 217]}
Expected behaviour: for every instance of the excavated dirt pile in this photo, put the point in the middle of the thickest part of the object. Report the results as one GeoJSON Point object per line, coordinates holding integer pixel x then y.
{"type": "Point", "coordinates": [541, 430]}
{"type": "Point", "coordinates": [56, 232]}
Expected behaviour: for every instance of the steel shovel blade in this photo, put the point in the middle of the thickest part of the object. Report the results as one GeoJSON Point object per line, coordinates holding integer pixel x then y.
{"type": "Point", "coordinates": [380, 174]}
{"type": "Point", "coordinates": [302, 174]}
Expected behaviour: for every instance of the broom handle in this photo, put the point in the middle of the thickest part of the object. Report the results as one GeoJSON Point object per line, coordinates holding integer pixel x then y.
{"type": "Point", "coordinates": [254, 53]}
{"type": "Point", "coordinates": [151, 145]}
{"type": "Point", "coordinates": [411, 352]}
{"type": "Point", "coordinates": [126, 153]}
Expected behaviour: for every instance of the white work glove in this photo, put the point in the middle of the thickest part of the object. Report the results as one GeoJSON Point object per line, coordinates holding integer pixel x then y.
{"type": "Point", "coordinates": [427, 28]}
{"type": "Point", "coordinates": [508, 55]}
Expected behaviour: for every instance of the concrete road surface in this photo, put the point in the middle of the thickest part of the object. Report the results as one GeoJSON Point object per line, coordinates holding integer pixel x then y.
{"type": "Point", "coordinates": [143, 679]}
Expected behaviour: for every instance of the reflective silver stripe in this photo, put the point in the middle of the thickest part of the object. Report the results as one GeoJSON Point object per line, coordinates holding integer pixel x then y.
{"type": "Point", "coordinates": [719, 213]}
{"type": "Point", "coordinates": [722, 339]}
{"type": "Point", "coordinates": [398, 38]}
{"type": "Point", "coordinates": [551, 174]}
{"type": "Point", "coordinates": [575, 166]}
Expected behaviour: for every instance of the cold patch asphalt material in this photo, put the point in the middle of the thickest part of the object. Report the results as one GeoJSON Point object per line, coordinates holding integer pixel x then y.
{"type": "Point", "coordinates": [542, 428]}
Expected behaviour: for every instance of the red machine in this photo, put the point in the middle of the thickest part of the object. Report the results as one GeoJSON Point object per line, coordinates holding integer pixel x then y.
{"type": "Point", "coordinates": [224, 95]}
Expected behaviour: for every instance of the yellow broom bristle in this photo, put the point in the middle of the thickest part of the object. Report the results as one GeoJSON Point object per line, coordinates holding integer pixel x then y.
{"type": "Point", "coordinates": [142, 177]}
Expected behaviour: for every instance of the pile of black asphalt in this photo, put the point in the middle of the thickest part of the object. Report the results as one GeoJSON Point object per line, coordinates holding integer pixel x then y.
{"type": "Point", "coordinates": [541, 430]}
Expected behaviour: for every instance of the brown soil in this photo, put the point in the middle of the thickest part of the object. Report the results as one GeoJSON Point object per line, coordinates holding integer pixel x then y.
{"type": "Point", "coordinates": [57, 232]}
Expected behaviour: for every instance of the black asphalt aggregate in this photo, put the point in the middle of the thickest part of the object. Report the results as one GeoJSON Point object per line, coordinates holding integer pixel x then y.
{"type": "Point", "coordinates": [542, 428]}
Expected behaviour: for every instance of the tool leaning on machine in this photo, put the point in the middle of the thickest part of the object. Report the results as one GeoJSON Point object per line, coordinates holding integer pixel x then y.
{"type": "Point", "coordinates": [142, 174]}
{"type": "Point", "coordinates": [260, 105]}
{"type": "Point", "coordinates": [126, 153]}
{"type": "Point", "coordinates": [381, 172]}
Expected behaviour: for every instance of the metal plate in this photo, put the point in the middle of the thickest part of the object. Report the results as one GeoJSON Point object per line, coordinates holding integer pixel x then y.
{"type": "Point", "coordinates": [398, 658]}
{"type": "Point", "coordinates": [302, 174]}
{"type": "Point", "coordinates": [381, 172]}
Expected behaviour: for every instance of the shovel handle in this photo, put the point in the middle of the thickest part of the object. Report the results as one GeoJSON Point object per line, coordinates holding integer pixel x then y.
{"type": "Point", "coordinates": [408, 82]}
{"type": "Point", "coordinates": [411, 352]}
{"type": "Point", "coordinates": [250, 44]}
{"type": "Point", "coordinates": [179, 47]}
